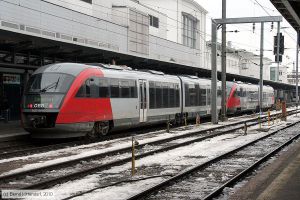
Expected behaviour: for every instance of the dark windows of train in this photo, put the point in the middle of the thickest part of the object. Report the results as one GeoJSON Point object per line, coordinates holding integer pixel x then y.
{"type": "Point", "coordinates": [125, 90]}
{"type": "Point", "coordinates": [177, 99]}
{"type": "Point", "coordinates": [186, 94]}
{"type": "Point", "coordinates": [49, 83]}
{"type": "Point", "coordinates": [84, 90]}
{"type": "Point", "coordinates": [208, 97]}
{"type": "Point", "coordinates": [172, 97]}
{"type": "Point", "coordinates": [133, 88]}
{"type": "Point", "coordinates": [96, 87]}
{"type": "Point", "coordinates": [165, 95]}
{"type": "Point", "coordinates": [193, 95]}
{"type": "Point", "coordinates": [152, 96]}
{"type": "Point", "coordinates": [103, 88]}
{"type": "Point", "coordinates": [114, 88]}
{"type": "Point", "coordinates": [158, 95]}
{"type": "Point", "coordinates": [93, 87]}
{"type": "Point", "coordinates": [202, 97]}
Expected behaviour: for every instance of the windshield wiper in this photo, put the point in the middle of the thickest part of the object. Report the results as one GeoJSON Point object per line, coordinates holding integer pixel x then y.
{"type": "Point", "coordinates": [50, 86]}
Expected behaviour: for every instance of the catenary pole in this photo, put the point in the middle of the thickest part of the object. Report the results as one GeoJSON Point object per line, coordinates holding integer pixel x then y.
{"type": "Point", "coordinates": [214, 114]}
{"type": "Point", "coordinates": [297, 54]}
{"type": "Point", "coordinates": [223, 76]}
{"type": "Point", "coordinates": [261, 81]}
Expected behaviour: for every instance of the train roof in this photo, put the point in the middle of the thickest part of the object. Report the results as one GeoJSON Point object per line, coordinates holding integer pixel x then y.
{"type": "Point", "coordinates": [66, 68]}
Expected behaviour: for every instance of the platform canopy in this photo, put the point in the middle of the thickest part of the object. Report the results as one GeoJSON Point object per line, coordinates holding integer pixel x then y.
{"type": "Point", "coordinates": [290, 10]}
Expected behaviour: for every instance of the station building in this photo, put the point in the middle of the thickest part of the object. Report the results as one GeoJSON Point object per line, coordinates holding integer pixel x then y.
{"type": "Point", "coordinates": [38, 32]}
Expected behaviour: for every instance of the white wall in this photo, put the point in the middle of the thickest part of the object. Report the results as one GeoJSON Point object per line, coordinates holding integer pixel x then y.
{"type": "Point", "coordinates": [174, 9]}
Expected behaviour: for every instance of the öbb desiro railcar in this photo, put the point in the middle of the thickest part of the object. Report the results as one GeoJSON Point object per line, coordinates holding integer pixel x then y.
{"type": "Point", "coordinates": [72, 100]}
{"type": "Point", "coordinates": [244, 97]}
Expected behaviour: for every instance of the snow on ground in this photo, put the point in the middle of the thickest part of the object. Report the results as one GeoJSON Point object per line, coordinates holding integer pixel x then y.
{"type": "Point", "coordinates": [184, 156]}
{"type": "Point", "coordinates": [55, 156]}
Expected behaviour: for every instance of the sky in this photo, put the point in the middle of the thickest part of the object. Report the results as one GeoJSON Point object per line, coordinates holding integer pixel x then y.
{"type": "Point", "coordinates": [246, 39]}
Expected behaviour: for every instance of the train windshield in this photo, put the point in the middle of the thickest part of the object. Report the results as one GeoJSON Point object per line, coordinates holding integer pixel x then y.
{"type": "Point", "coordinates": [49, 83]}
{"type": "Point", "coordinates": [46, 91]}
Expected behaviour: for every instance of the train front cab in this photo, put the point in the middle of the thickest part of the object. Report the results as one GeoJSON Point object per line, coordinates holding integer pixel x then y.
{"type": "Point", "coordinates": [60, 105]}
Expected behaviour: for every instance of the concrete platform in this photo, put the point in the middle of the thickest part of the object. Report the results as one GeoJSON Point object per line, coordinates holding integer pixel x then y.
{"type": "Point", "coordinates": [12, 131]}
{"type": "Point", "coordinates": [279, 180]}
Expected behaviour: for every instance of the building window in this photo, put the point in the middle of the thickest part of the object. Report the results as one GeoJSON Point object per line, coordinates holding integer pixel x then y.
{"type": "Point", "coordinates": [154, 21]}
{"type": "Point", "coordinates": [189, 30]}
{"type": "Point", "coordinates": [87, 1]}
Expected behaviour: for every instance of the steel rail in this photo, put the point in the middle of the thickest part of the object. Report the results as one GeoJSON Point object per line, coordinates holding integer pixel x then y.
{"type": "Point", "coordinates": [5, 178]}
{"type": "Point", "coordinates": [178, 177]}
{"type": "Point", "coordinates": [247, 171]}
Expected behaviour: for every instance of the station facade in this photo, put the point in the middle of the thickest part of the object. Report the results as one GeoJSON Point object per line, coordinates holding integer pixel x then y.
{"type": "Point", "coordinates": [168, 36]}
{"type": "Point", "coordinates": [39, 32]}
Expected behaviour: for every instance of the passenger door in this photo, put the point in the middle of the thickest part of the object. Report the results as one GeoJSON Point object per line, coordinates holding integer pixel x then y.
{"type": "Point", "coordinates": [143, 100]}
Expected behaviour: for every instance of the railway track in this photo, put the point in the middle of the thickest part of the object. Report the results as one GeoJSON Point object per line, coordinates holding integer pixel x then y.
{"type": "Point", "coordinates": [64, 171]}
{"type": "Point", "coordinates": [20, 148]}
{"type": "Point", "coordinates": [207, 180]}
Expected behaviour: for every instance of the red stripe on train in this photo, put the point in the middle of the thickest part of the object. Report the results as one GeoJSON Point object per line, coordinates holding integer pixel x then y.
{"type": "Point", "coordinates": [75, 110]}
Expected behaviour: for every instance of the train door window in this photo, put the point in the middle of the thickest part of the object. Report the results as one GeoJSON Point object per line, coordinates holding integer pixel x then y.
{"type": "Point", "coordinates": [177, 95]}
{"type": "Point", "coordinates": [114, 88]}
{"type": "Point", "coordinates": [158, 95]}
{"type": "Point", "coordinates": [125, 91]}
{"type": "Point", "coordinates": [133, 88]}
{"type": "Point", "coordinates": [103, 88]}
{"type": "Point", "coordinates": [165, 95]}
{"type": "Point", "coordinates": [152, 95]}
{"type": "Point", "coordinates": [187, 95]}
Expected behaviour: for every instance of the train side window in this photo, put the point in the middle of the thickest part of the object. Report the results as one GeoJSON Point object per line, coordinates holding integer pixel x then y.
{"type": "Point", "coordinates": [103, 88]}
{"type": "Point", "coordinates": [114, 88]}
{"type": "Point", "coordinates": [158, 95]}
{"type": "Point", "coordinates": [152, 95]}
{"type": "Point", "coordinates": [133, 88]}
{"type": "Point", "coordinates": [165, 95]}
{"type": "Point", "coordinates": [81, 91]}
{"type": "Point", "coordinates": [177, 94]}
{"type": "Point", "coordinates": [208, 97]}
{"type": "Point", "coordinates": [202, 97]}
{"type": "Point", "coordinates": [94, 90]}
{"type": "Point", "coordinates": [193, 95]}
{"type": "Point", "coordinates": [197, 95]}
{"type": "Point", "coordinates": [172, 96]}
{"type": "Point", "coordinates": [187, 95]}
{"type": "Point", "coordinates": [125, 90]}
{"type": "Point", "coordinates": [84, 90]}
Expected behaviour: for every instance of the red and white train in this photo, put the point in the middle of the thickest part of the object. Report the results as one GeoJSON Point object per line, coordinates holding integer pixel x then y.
{"type": "Point", "coordinates": [73, 100]}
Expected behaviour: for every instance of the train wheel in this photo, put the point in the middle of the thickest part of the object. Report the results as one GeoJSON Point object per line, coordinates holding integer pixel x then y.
{"type": "Point", "coordinates": [104, 128]}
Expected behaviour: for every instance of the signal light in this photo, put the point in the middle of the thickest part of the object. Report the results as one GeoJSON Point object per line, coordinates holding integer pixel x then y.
{"type": "Point", "coordinates": [50, 105]}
